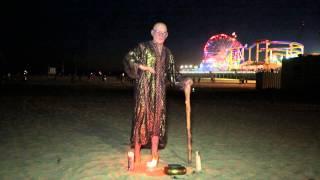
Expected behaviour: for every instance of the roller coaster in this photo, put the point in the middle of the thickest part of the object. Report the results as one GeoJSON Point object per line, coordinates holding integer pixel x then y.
{"type": "Point", "coordinates": [270, 54]}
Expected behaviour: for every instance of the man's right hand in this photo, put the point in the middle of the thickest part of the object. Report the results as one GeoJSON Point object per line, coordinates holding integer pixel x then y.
{"type": "Point", "coordinates": [146, 68]}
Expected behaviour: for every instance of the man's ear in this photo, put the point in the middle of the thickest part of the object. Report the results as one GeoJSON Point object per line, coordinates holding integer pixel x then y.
{"type": "Point", "coordinates": [151, 32]}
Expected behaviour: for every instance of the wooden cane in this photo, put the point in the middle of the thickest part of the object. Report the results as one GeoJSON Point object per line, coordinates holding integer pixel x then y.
{"type": "Point", "coordinates": [187, 91]}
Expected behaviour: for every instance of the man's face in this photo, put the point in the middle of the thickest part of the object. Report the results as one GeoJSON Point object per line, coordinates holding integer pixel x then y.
{"type": "Point", "coordinates": [159, 33]}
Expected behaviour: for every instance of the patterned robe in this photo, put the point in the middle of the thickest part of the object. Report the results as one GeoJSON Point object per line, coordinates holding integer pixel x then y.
{"type": "Point", "coordinates": [150, 91]}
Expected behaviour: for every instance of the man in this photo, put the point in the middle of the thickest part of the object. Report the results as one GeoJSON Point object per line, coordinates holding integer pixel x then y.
{"type": "Point", "coordinates": [151, 63]}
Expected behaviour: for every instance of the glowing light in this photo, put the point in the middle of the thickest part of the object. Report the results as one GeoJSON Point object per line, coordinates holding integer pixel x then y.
{"type": "Point", "coordinates": [234, 35]}
{"type": "Point", "coordinates": [220, 52]}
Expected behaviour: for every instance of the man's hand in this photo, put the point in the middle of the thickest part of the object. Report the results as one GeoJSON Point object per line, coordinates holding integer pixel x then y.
{"type": "Point", "coordinates": [147, 68]}
{"type": "Point", "coordinates": [188, 82]}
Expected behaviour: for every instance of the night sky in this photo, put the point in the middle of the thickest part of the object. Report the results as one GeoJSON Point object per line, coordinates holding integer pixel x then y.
{"type": "Point", "coordinates": [97, 34]}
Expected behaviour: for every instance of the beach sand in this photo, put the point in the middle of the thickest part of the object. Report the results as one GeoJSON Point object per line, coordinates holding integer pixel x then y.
{"type": "Point", "coordinates": [58, 132]}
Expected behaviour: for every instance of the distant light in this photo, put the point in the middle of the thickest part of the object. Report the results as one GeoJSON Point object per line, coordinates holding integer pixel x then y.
{"type": "Point", "coordinates": [234, 35]}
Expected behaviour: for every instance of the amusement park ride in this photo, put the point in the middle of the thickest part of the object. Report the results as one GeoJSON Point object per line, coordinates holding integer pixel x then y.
{"type": "Point", "coordinates": [225, 54]}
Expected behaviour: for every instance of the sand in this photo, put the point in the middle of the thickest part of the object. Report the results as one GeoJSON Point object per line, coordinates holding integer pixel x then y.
{"type": "Point", "coordinates": [83, 133]}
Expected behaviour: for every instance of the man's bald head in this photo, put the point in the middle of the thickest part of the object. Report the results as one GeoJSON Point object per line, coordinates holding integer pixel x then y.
{"type": "Point", "coordinates": [159, 32]}
{"type": "Point", "coordinates": [160, 25]}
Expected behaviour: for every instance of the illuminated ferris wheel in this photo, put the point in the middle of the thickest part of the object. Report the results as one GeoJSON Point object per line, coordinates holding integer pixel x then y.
{"type": "Point", "coordinates": [222, 53]}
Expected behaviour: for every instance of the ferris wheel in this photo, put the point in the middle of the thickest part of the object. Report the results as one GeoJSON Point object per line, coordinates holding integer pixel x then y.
{"type": "Point", "coordinates": [222, 52]}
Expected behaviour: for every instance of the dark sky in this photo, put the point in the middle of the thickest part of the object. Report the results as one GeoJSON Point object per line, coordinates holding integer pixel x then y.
{"type": "Point", "coordinates": [99, 33]}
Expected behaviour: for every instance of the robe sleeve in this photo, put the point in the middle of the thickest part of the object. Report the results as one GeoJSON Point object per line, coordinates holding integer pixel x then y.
{"type": "Point", "coordinates": [132, 60]}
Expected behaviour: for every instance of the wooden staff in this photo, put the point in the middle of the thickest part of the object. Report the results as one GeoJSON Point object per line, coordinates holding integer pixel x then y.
{"type": "Point", "coordinates": [187, 91]}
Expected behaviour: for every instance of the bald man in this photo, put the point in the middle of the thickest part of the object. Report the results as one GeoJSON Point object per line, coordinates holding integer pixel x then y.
{"type": "Point", "coordinates": [151, 64]}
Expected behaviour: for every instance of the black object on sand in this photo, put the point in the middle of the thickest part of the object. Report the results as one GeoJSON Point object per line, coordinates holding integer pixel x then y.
{"type": "Point", "coordinates": [175, 169]}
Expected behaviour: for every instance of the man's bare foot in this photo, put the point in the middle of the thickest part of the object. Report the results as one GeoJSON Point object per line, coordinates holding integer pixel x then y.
{"type": "Point", "coordinates": [154, 162]}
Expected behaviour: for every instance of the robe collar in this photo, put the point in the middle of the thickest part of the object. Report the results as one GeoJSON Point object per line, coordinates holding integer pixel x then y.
{"type": "Point", "coordinates": [155, 48]}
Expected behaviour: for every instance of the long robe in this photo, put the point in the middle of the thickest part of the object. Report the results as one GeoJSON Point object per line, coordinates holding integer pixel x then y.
{"type": "Point", "coordinates": [150, 91]}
